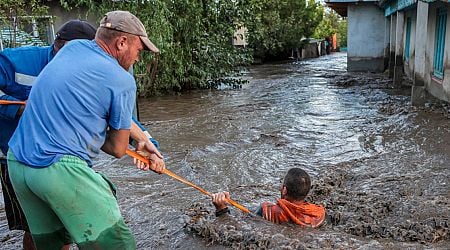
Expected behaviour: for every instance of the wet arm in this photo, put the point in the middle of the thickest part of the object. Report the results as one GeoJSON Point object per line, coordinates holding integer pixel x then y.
{"type": "Point", "coordinates": [220, 202]}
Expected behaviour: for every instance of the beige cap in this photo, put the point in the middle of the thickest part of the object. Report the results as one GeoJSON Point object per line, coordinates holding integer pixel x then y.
{"type": "Point", "coordinates": [126, 22]}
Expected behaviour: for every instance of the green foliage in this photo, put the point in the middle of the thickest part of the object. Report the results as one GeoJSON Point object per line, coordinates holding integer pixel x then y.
{"type": "Point", "coordinates": [14, 9]}
{"type": "Point", "coordinates": [342, 33]}
{"type": "Point", "coordinates": [331, 24]}
{"type": "Point", "coordinates": [195, 36]}
{"type": "Point", "coordinates": [276, 26]}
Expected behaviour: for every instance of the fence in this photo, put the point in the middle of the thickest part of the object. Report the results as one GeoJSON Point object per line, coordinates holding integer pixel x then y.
{"type": "Point", "coordinates": [26, 31]}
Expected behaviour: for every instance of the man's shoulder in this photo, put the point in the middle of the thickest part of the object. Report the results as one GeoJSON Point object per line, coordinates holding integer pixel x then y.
{"type": "Point", "coordinates": [30, 59]}
{"type": "Point", "coordinates": [26, 51]}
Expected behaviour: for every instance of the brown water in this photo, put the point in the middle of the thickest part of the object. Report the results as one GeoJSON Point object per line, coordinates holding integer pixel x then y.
{"type": "Point", "coordinates": [380, 167]}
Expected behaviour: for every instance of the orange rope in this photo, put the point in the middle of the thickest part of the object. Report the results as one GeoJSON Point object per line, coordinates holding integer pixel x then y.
{"type": "Point", "coordinates": [173, 175]}
{"type": "Point", "coordinates": [6, 102]}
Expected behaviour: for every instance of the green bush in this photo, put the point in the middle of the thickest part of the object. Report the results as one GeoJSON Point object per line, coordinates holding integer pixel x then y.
{"type": "Point", "coordinates": [195, 37]}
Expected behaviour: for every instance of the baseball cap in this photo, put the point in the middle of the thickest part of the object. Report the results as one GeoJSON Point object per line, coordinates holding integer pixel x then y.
{"type": "Point", "coordinates": [126, 22]}
{"type": "Point", "coordinates": [76, 29]}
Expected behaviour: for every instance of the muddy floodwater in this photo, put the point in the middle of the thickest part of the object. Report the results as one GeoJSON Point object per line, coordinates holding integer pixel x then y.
{"type": "Point", "coordinates": [379, 166]}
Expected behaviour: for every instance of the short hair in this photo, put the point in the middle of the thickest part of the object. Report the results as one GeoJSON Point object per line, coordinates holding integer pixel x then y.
{"type": "Point", "coordinates": [297, 183]}
{"type": "Point", "coordinates": [108, 35]}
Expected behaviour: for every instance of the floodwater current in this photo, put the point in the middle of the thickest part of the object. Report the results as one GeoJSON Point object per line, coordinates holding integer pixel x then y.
{"type": "Point", "coordinates": [378, 165]}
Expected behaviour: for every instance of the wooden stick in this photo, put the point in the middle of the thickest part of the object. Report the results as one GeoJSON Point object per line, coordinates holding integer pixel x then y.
{"type": "Point", "coordinates": [145, 160]}
{"type": "Point", "coordinates": [173, 175]}
{"type": "Point", "coordinates": [6, 102]}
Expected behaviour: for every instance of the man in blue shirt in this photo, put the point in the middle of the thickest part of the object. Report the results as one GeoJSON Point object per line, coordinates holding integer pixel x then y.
{"type": "Point", "coordinates": [18, 70]}
{"type": "Point", "coordinates": [81, 103]}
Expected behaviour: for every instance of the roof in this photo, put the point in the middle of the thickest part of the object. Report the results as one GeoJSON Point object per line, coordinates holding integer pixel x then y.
{"type": "Point", "coordinates": [340, 6]}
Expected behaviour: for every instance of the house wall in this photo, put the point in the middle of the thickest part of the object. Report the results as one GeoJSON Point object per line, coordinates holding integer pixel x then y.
{"type": "Point", "coordinates": [409, 65]}
{"type": "Point", "coordinates": [422, 67]}
{"type": "Point", "coordinates": [436, 87]}
{"type": "Point", "coordinates": [365, 38]}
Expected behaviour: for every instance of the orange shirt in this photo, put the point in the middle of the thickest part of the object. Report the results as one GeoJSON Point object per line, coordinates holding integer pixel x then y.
{"type": "Point", "coordinates": [304, 214]}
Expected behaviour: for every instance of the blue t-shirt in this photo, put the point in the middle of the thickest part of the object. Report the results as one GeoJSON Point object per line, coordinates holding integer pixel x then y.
{"type": "Point", "coordinates": [81, 92]}
{"type": "Point", "coordinates": [18, 69]}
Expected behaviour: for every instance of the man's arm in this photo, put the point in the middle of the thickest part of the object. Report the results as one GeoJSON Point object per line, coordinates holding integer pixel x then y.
{"type": "Point", "coordinates": [116, 142]}
{"type": "Point", "coordinates": [10, 111]}
{"type": "Point", "coordinates": [144, 144]}
{"type": "Point", "coordinates": [6, 79]}
{"type": "Point", "coordinates": [153, 140]}
{"type": "Point", "coordinates": [220, 202]}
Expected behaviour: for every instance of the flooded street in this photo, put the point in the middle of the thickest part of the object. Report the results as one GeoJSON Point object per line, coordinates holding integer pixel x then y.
{"type": "Point", "coordinates": [379, 166]}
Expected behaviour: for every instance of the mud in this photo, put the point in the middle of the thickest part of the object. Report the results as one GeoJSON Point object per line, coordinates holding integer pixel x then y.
{"type": "Point", "coordinates": [361, 198]}
{"type": "Point", "coordinates": [378, 165]}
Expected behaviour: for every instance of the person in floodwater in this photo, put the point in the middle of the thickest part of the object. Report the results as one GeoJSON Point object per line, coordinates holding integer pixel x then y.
{"type": "Point", "coordinates": [81, 103]}
{"type": "Point", "coordinates": [291, 207]}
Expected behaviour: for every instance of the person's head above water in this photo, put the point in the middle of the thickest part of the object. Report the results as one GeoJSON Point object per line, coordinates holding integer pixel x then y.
{"type": "Point", "coordinates": [296, 185]}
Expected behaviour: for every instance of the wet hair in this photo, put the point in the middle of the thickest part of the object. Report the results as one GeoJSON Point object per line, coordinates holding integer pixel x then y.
{"type": "Point", "coordinates": [297, 183]}
{"type": "Point", "coordinates": [109, 35]}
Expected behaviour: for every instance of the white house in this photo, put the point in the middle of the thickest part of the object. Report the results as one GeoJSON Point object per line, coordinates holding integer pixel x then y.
{"type": "Point", "coordinates": [414, 36]}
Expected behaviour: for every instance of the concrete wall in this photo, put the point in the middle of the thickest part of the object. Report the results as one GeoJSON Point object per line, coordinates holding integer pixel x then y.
{"type": "Point", "coordinates": [439, 88]}
{"type": "Point", "coordinates": [409, 66]}
{"type": "Point", "coordinates": [424, 45]}
{"type": "Point", "coordinates": [365, 38]}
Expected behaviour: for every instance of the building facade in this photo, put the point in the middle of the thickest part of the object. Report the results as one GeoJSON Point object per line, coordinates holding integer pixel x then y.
{"type": "Point", "coordinates": [413, 36]}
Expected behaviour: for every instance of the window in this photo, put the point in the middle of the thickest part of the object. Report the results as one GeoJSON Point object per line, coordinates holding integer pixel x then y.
{"type": "Point", "coordinates": [408, 38]}
{"type": "Point", "coordinates": [441, 23]}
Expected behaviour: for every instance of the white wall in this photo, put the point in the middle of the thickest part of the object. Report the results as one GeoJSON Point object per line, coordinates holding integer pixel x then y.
{"type": "Point", "coordinates": [425, 27]}
{"type": "Point", "coordinates": [365, 38]}
{"type": "Point", "coordinates": [366, 23]}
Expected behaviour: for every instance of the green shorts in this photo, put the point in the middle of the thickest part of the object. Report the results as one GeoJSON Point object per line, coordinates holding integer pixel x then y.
{"type": "Point", "coordinates": [69, 197]}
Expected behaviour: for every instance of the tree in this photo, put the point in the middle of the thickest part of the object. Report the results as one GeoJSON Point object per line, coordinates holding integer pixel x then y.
{"type": "Point", "coordinates": [195, 36]}
{"type": "Point", "coordinates": [278, 26]}
{"type": "Point", "coordinates": [342, 33]}
{"type": "Point", "coordinates": [328, 26]}
{"type": "Point", "coordinates": [331, 24]}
